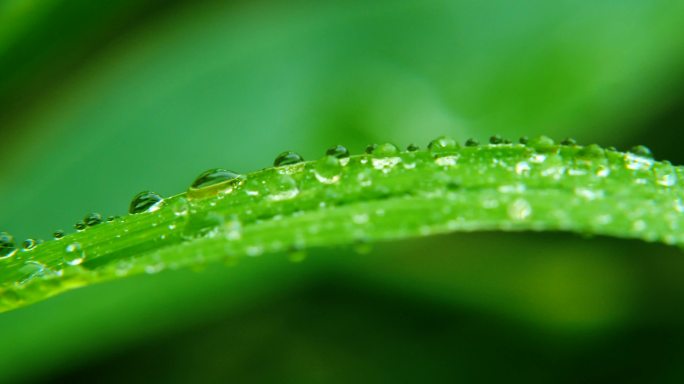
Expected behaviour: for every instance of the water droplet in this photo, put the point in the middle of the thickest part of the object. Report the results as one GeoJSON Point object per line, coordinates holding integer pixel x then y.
{"type": "Point", "coordinates": [113, 217]}
{"type": "Point", "coordinates": [496, 139]}
{"type": "Point", "coordinates": [145, 201]}
{"type": "Point", "coordinates": [637, 162]}
{"type": "Point", "coordinates": [338, 151]}
{"type": "Point", "coordinates": [472, 142]}
{"type": "Point", "coordinates": [569, 142]}
{"type": "Point", "coordinates": [33, 269]}
{"type": "Point", "coordinates": [542, 144]}
{"type": "Point", "coordinates": [665, 175]}
{"type": "Point", "coordinates": [92, 219]}
{"type": "Point", "coordinates": [214, 177]}
{"type": "Point", "coordinates": [287, 158]}
{"type": "Point", "coordinates": [29, 244]}
{"type": "Point", "coordinates": [180, 206]}
{"type": "Point", "coordinates": [519, 210]}
{"type": "Point", "coordinates": [385, 150]}
{"type": "Point", "coordinates": [58, 234]}
{"type": "Point", "coordinates": [74, 254]}
{"type": "Point", "coordinates": [442, 144]}
{"type": "Point", "coordinates": [412, 148]}
{"type": "Point", "coordinates": [328, 170]}
{"type": "Point", "coordinates": [80, 226]}
{"type": "Point", "coordinates": [522, 168]}
{"type": "Point", "coordinates": [7, 246]}
{"type": "Point", "coordinates": [592, 151]}
{"type": "Point", "coordinates": [370, 148]}
{"type": "Point", "coordinates": [524, 140]}
{"type": "Point", "coordinates": [282, 187]}
{"type": "Point", "coordinates": [642, 151]}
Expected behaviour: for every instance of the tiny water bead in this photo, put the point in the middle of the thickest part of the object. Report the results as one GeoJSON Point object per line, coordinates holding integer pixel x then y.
{"type": "Point", "coordinates": [472, 142]}
{"type": "Point", "coordinates": [338, 151]}
{"type": "Point", "coordinates": [287, 158]}
{"type": "Point", "coordinates": [496, 140]}
{"type": "Point", "coordinates": [542, 144]}
{"type": "Point", "coordinates": [412, 148]}
{"type": "Point", "coordinates": [29, 244]}
{"type": "Point", "coordinates": [58, 234]}
{"type": "Point", "coordinates": [328, 170]}
{"type": "Point", "coordinates": [524, 140]}
{"type": "Point", "coordinates": [282, 187]}
{"type": "Point", "coordinates": [370, 148]}
{"type": "Point", "coordinates": [385, 150]}
{"type": "Point", "coordinates": [569, 142]}
{"type": "Point", "coordinates": [80, 225]}
{"type": "Point", "coordinates": [145, 201]}
{"type": "Point", "coordinates": [112, 218]}
{"type": "Point", "coordinates": [92, 219]}
{"type": "Point", "coordinates": [74, 254]}
{"type": "Point", "coordinates": [442, 144]}
{"type": "Point", "coordinates": [7, 246]}
{"type": "Point", "coordinates": [642, 151]}
{"type": "Point", "coordinates": [592, 151]}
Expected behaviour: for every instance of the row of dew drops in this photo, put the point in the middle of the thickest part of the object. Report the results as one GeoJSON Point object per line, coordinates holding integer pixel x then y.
{"type": "Point", "coordinates": [327, 171]}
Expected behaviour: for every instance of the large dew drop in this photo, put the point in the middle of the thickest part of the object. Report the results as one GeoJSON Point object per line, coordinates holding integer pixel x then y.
{"type": "Point", "coordinates": [7, 246]}
{"type": "Point", "coordinates": [213, 177]}
{"type": "Point", "coordinates": [287, 158]}
{"type": "Point", "coordinates": [328, 170]}
{"type": "Point", "coordinates": [282, 187]}
{"type": "Point", "coordinates": [338, 151]}
{"type": "Point", "coordinates": [74, 254]}
{"type": "Point", "coordinates": [442, 144]}
{"type": "Point", "coordinates": [146, 202]}
{"type": "Point", "coordinates": [213, 182]}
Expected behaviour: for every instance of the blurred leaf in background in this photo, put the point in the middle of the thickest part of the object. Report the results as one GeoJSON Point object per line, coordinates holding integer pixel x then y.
{"type": "Point", "coordinates": [99, 101]}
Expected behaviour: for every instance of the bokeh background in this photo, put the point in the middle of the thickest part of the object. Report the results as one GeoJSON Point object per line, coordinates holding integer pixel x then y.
{"type": "Point", "coordinates": [99, 100]}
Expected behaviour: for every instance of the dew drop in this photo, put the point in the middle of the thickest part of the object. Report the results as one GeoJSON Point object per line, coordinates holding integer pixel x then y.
{"type": "Point", "coordinates": [338, 151]}
{"type": "Point", "coordinates": [524, 140]}
{"type": "Point", "coordinates": [58, 234]}
{"type": "Point", "coordinates": [214, 177]}
{"type": "Point", "coordinates": [412, 148]}
{"type": "Point", "coordinates": [80, 226]}
{"type": "Point", "coordinates": [180, 207]}
{"type": "Point", "coordinates": [287, 158]}
{"type": "Point", "coordinates": [642, 151]}
{"type": "Point", "coordinates": [665, 175]}
{"type": "Point", "coordinates": [592, 151]}
{"type": "Point", "coordinates": [542, 144]}
{"type": "Point", "coordinates": [637, 163]}
{"type": "Point", "coordinates": [370, 148]}
{"type": "Point", "coordinates": [282, 187]}
{"type": "Point", "coordinates": [74, 254]}
{"type": "Point", "coordinates": [145, 201]}
{"type": "Point", "coordinates": [233, 229]}
{"type": "Point", "coordinates": [328, 170]}
{"type": "Point", "coordinates": [496, 140]}
{"type": "Point", "coordinates": [92, 219]}
{"type": "Point", "coordinates": [569, 142]}
{"type": "Point", "coordinates": [7, 246]}
{"type": "Point", "coordinates": [522, 168]}
{"type": "Point", "coordinates": [385, 150]}
{"type": "Point", "coordinates": [472, 142]}
{"type": "Point", "coordinates": [442, 144]}
{"type": "Point", "coordinates": [112, 218]}
{"type": "Point", "coordinates": [29, 244]}
{"type": "Point", "coordinates": [519, 210]}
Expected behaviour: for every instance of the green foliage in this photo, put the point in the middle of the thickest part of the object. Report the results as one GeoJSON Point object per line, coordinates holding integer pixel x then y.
{"type": "Point", "coordinates": [341, 200]}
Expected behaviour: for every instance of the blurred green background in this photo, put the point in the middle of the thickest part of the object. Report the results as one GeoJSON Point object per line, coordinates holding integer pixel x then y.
{"type": "Point", "coordinates": [99, 100]}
